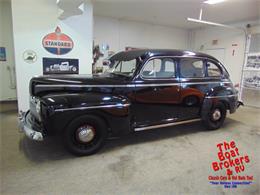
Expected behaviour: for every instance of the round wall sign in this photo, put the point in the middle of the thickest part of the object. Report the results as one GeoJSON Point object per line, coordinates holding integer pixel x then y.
{"type": "Point", "coordinates": [57, 42]}
{"type": "Point", "coordinates": [29, 56]}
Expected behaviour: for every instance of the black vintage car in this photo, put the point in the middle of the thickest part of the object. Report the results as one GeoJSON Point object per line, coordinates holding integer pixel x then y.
{"type": "Point", "coordinates": [143, 89]}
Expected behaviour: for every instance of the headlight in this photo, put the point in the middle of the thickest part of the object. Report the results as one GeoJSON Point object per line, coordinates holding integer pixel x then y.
{"type": "Point", "coordinates": [38, 107]}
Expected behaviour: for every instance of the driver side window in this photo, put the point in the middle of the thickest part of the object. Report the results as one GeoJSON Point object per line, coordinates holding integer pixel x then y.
{"type": "Point", "coordinates": [159, 68]}
{"type": "Point", "coordinates": [126, 66]}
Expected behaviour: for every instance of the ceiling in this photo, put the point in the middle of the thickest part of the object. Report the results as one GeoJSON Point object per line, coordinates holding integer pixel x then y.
{"type": "Point", "coordinates": [174, 12]}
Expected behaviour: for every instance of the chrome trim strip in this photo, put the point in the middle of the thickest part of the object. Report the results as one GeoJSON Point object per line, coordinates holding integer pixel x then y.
{"type": "Point", "coordinates": [93, 107]}
{"type": "Point", "coordinates": [135, 85]}
{"type": "Point", "coordinates": [157, 85]}
{"type": "Point", "coordinates": [205, 78]}
{"type": "Point", "coordinates": [201, 78]}
{"type": "Point", "coordinates": [220, 96]}
{"type": "Point", "coordinates": [165, 125]}
{"type": "Point", "coordinates": [62, 85]}
{"type": "Point", "coordinates": [203, 83]}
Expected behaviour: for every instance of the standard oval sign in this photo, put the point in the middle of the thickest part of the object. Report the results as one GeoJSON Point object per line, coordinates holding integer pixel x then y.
{"type": "Point", "coordinates": [57, 42]}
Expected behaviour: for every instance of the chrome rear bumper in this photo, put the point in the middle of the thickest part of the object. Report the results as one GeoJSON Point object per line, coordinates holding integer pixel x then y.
{"type": "Point", "coordinates": [26, 127]}
{"type": "Point", "coordinates": [240, 103]}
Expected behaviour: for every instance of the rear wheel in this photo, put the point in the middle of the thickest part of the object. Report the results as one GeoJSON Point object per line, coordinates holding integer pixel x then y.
{"type": "Point", "coordinates": [215, 118]}
{"type": "Point", "coordinates": [85, 135]}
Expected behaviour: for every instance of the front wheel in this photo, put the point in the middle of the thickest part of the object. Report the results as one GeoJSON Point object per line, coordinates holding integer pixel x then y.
{"type": "Point", "coordinates": [215, 118]}
{"type": "Point", "coordinates": [85, 135]}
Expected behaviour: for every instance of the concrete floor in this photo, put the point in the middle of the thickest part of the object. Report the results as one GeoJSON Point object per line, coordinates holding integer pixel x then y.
{"type": "Point", "coordinates": [174, 160]}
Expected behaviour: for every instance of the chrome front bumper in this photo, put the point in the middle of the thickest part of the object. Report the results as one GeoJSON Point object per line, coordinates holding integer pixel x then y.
{"type": "Point", "coordinates": [26, 127]}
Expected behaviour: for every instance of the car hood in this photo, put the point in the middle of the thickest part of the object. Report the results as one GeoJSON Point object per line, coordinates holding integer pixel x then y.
{"type": "Point", "coordinates": [52, 83]}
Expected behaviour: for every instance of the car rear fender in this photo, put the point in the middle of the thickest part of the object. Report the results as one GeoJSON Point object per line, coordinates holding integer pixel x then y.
{"type": "Point", "coordinates": [224, 94]}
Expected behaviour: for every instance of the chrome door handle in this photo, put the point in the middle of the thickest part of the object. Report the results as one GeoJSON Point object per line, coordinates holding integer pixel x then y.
{"type": "Point", "coordinates": [156, 89]}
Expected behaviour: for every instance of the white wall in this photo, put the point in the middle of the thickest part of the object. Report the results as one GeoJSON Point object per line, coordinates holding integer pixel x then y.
{"type": "Point", "coordinates": [32, 20]}
{"type": "Point", "coordinates": [122, 33]}
{"type": "Point", "coordinates": [227, 38]}
{"type": "Point", "coordinates": [7, 81]}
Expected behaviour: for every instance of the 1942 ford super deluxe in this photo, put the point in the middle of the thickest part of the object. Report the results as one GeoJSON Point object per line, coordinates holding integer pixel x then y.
{"type": "Point", "coordinates": [143, 89]}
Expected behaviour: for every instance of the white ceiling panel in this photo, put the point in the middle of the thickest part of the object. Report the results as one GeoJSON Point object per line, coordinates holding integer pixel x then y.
{"type": "Point", "coordinates": [174, 12]}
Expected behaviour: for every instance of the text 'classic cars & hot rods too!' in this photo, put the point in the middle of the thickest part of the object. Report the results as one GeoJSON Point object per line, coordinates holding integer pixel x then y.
{"type": "Point", "coordinates": [142, 90]}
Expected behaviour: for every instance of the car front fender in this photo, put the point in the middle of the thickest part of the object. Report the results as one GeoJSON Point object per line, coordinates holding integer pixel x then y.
{"type": "Point", "coordinates": [60, 109]}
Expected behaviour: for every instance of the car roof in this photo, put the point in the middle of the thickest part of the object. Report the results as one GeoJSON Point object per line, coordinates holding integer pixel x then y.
{"type": "Point", "coordinates": [135, 53]}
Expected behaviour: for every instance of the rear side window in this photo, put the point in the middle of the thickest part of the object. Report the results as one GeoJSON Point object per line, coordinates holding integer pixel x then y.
{"type": "Point", "coordinates": [213, 70]}
{"type": "Point", "coordinates": [159, 68]}
{"type": "Point", "coordinates": [192, 68]}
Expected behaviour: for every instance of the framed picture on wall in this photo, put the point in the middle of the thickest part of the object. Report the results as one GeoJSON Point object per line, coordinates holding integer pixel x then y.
{"type": "Point", "coordinates": [252, 80]}
{"type": "Point", "coordinates": [253, 61]}
{"type": "Point", "coordinates": [2, 54]}
{"type": "Point", "coordinates": [60, 66]}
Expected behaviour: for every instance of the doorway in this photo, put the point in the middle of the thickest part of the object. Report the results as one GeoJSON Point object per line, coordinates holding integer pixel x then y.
{"type": "Point", "coordinates": [7, 63]}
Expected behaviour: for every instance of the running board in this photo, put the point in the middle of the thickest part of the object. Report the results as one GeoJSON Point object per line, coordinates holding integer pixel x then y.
{"type": "Point", "coordinates": [166, 125]}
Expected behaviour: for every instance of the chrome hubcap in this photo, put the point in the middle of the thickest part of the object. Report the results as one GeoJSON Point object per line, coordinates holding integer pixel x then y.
{"type": "Point", "coordinates": [216, 115]}
{"type": "Point", "coordinates": [85, 133]}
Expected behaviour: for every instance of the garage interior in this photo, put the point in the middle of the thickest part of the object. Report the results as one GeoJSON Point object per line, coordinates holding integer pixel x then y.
{"type": "Point", "coordinates": [172, 160]}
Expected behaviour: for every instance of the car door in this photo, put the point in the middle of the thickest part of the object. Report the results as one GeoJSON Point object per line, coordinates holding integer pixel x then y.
{"type": "Point", "coordinates": [193, 86]}
{"type": "Point", "coordinates": [157, 92]}
{"type": "Point", "coordinates": [197, 78]}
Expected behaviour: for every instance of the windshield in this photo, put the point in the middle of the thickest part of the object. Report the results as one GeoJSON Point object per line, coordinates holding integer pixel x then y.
{"type": "Point", "coordinates": [124, 68]}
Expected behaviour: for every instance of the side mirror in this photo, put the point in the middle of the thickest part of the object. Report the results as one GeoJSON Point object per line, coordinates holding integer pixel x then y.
{"type": "Point", "coordinates": [106, 62]}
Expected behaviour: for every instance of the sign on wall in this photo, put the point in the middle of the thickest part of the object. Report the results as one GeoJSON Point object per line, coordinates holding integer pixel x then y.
{"type": "Point", "coordinates": [250, 88]}
{"type": "Point", "coordinates": [57, 42]}
{"type": "Point", "coordinates": [2, 54]}
{"type": "Point", "coordinates": [253, 61]}
{"type": "Point", "coordinates": [29, 56]}
{"type": "Point", "coordinates": [60, 66]}
{"type": "Point", "coordinates": [251, 76]}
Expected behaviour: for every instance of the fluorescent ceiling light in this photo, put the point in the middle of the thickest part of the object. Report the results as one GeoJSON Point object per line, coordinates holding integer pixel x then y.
{"type": "Point", "coordinates": [212, 2]}
{"type": "Point", "coordinates": [209, 23]}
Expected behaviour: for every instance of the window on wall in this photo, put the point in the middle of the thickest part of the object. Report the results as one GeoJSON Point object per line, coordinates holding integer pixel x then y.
{"type": "Point", "coordinates": [159, 68]}
{"type": "Point", "coordinates": [192, 68]}
{"type": "Point", "coordinates": [213, 70]}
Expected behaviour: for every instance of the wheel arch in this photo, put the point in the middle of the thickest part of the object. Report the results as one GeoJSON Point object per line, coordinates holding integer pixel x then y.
{"type": "Point", "coordinates": [115, 124]}
{"type": "Point", "coordinates": [208, 103]}
{"type": "Point", "coordinates": [64, 108]}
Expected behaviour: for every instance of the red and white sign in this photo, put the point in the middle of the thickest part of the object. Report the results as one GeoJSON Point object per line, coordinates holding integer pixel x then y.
{"type": "Point", "coordinates": [57, 42]}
